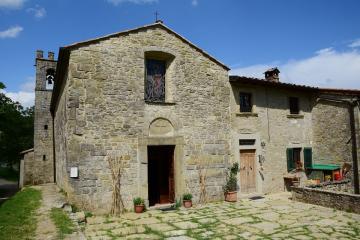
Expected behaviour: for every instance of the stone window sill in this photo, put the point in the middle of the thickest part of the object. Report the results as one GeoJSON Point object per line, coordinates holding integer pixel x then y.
{"type": "Point", "coordinates": [246, 114]}
{"type": "Point", "coordinates": [159, 103]}
{"type": "Point", "coordinates": [295, 116]}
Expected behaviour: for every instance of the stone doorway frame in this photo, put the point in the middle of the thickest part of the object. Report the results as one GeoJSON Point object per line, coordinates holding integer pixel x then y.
{"type": "Point", "coordinates": [179, 179]}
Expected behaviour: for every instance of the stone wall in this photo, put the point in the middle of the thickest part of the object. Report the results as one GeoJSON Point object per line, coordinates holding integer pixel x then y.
{"type": "Point", "coordinates": [61, 143]}
{"type": "Point", "coordinates": [331, 133]}
{"type": "Point", "coordinates": [27, 169]}
{"type": "Point", "coordinates": [274, 129]}
{"type": "Point", "coordinates": [341, 201]}
{"type": "Point", "coordinates": [102, 113]}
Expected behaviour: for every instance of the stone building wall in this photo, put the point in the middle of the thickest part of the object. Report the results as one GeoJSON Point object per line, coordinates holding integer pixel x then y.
{"type": "Point", "coordinates": [60, 123]}
{"type": "Point", "coordinates": [102, 113]}
{"type": "Point", "coordinates": [27, 168]}
{"type": "Point", "coordinates": [331, 133]}
{"type": "Point", "coordinates": [43, 164]}
{"type": "Point", "coordinates": [273, 128]}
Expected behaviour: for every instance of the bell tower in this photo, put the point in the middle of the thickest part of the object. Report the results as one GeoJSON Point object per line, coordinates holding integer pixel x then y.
{"type": "Point", "coordinates": [43, 171]}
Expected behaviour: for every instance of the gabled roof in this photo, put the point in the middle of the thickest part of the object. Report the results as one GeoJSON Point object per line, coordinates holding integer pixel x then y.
{"type": "Point", "coordinates": [150, 26]}
{"type": "Point", "coordinates": [64, 53]}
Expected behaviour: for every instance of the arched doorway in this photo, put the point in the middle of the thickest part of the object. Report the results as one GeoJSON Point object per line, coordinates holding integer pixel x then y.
{"type": "Point", "coordinates": [161, 183]}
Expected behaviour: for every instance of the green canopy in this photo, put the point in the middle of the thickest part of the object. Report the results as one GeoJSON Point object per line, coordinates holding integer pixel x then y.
{"type": "Point", "coordinates": [325, 167]}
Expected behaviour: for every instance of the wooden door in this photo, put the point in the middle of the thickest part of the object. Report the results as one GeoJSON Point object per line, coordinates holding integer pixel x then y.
{"type": "Point", "coordinates": [247, 171]}
{"type": "Point", "coordinates": [171, 178]}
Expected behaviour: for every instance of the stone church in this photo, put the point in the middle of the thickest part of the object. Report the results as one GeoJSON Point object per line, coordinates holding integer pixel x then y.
{"type": "Point", "coordinates": [176, 120]}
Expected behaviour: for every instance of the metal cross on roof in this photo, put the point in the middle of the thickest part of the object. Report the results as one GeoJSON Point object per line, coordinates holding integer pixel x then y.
{"type": "Point", "coordinates": [156, 16]}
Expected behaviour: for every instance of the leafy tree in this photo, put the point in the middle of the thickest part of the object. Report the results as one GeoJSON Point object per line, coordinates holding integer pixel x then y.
{"type": "Point", "coordinates": [16, 129]}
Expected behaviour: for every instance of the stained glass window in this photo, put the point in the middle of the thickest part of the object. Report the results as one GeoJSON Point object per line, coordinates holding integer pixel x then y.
{"type": "Point", "coordinates": [155, 81]}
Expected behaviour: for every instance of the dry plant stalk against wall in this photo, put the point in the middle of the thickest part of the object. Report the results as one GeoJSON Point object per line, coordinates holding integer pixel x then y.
{"type": "Point", "coordinates": [116, 167]}
{"type": "Point", "coordinates": [202, 165]}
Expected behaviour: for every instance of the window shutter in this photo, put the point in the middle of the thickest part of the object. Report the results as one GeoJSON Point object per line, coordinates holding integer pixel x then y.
{"type": "Point", "coordinates": [307, 157]}
{"type": "Point", "coordinates": [290, 159]}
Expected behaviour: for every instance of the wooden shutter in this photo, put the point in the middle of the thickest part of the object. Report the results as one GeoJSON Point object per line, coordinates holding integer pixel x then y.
{"type": "Point", "coordinates": [290, 159]}
{"type": "Point", "coordinates": [307, 157]}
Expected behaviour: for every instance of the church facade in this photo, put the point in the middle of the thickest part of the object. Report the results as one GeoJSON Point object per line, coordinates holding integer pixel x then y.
{"type": "Point", "coordinates": [175, 121]}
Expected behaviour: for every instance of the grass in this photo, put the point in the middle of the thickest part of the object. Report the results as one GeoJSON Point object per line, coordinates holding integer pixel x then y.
{"type": "Point", "coordinates": [62, 222]}
{"type": "Point", "coordinates": [17, 215]}
{"type": "Point", "coordinates": [9, 174]}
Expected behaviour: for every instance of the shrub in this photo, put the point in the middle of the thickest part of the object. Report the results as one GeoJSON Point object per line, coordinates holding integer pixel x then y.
{"type": "Point", "coordinates": [187, 196]}
{"type": "Point", "coordinates": [231, 181]}
{"type": "Point", "coordinates": [138, 201]}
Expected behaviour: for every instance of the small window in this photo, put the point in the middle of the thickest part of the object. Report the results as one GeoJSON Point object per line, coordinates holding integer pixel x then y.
{"type": "Point", "coordinates": [155, 80]}
{"type": "Point", "coordinates": [45, 127]}
{"type": "Point", "coordinates": [247, 142]}
{"type": "Point", "coordinates": [245, 102]}
{"type": "Point", "coordinates": [294, 105]}
{"type": "Point", "coordinates": [44, 157]}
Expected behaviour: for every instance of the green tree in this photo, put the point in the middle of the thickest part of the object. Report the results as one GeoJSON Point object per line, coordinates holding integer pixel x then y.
{"type": "Point", "coordinates": [16, 129]}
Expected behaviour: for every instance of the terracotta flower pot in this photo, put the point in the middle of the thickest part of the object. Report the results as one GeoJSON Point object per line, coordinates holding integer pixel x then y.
{"type": "Point", "coordinates": [139, 208]}
{"type": "Point", "coordinates": [187, 203]}
{"type": "Point", "coordinates": [231, 196]}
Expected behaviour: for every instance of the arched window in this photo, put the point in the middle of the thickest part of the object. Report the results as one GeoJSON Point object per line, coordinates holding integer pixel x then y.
{"type": "Point", "coordinates": [50, 76]}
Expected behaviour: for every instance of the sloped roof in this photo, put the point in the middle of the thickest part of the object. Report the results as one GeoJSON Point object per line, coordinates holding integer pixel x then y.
{"type": "Point", "coordinates": [263, 82]}
{"type": "Point", "coordinates": [64, 53]}
{"type": "Point", "coordinates": [26, 151]}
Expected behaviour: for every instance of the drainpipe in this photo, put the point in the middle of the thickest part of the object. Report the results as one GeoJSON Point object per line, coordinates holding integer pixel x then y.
{"type": "Point", "coordinates": [354, 147]}
{"type": "Point", "coordinates": [351, 104]}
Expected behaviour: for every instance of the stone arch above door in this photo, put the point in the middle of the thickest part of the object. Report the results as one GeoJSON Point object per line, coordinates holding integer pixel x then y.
{"type": "Point", "coordinates": [161, 127]}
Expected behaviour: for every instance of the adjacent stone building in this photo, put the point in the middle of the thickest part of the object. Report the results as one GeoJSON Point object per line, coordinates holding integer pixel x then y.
{"type": "Point", "coordinates": [175, 120]}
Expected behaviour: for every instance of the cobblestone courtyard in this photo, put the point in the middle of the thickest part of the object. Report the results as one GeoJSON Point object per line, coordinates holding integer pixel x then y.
{"type": "Point", "coordinates": [274, 217]}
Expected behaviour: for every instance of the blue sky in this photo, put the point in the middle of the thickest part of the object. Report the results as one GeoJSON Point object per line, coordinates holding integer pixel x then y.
{"type": "Point", "coordinates": [312, 42]}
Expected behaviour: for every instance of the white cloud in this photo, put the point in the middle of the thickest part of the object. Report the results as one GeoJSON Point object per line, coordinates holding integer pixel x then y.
{"type": "Point", "coordinates": [194, 3]}
{"type": "Point", "coordinates": [26, 99]}
{"type": "Point", "coordinates": [117, 2]}
{"type": "Point", "coordinates": [326, 68]}
{"type": "Point", "coordinates": [38, 11]}
{"type": "Point", "coordinates": [355, 43]}
{"type": "Point", "coordinates": [12, 32]}
{"type": "Point", "coordinates": [26, 95]}
{"type": "Point", "coordinates": [12, 4]}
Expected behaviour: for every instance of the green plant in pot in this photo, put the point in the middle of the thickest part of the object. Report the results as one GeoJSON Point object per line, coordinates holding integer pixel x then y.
{"type": "Point", "coordinates": [230, 188]}
{"type": "Point", "coordinates": [187, 200]}
{"type": "Point", "coordinates": [139, 205]}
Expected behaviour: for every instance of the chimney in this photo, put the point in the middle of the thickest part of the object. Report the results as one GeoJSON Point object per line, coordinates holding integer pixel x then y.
{"type": "Point", "coordinates": [272, 75]}
{"type": "Point", "coordinates": [39, 53]}
{"type": "Point", "coordinates": [50, 55]}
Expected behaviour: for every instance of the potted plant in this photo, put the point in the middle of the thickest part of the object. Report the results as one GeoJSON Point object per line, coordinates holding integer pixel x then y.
{"type": "Point", "coordinates": [187, 200]}
{"type": "Point", "coordinates": [139, 205]}
{"type": "Point", "coordinates": [231, 183]}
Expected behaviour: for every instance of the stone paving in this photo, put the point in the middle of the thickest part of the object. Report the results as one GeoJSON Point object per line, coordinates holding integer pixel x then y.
{"type": "Point", "coordinates": [273, 217]}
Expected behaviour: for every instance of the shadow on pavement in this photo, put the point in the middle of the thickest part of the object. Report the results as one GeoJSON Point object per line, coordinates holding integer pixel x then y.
{"type": "Point", "coordinates": [7, 189]}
